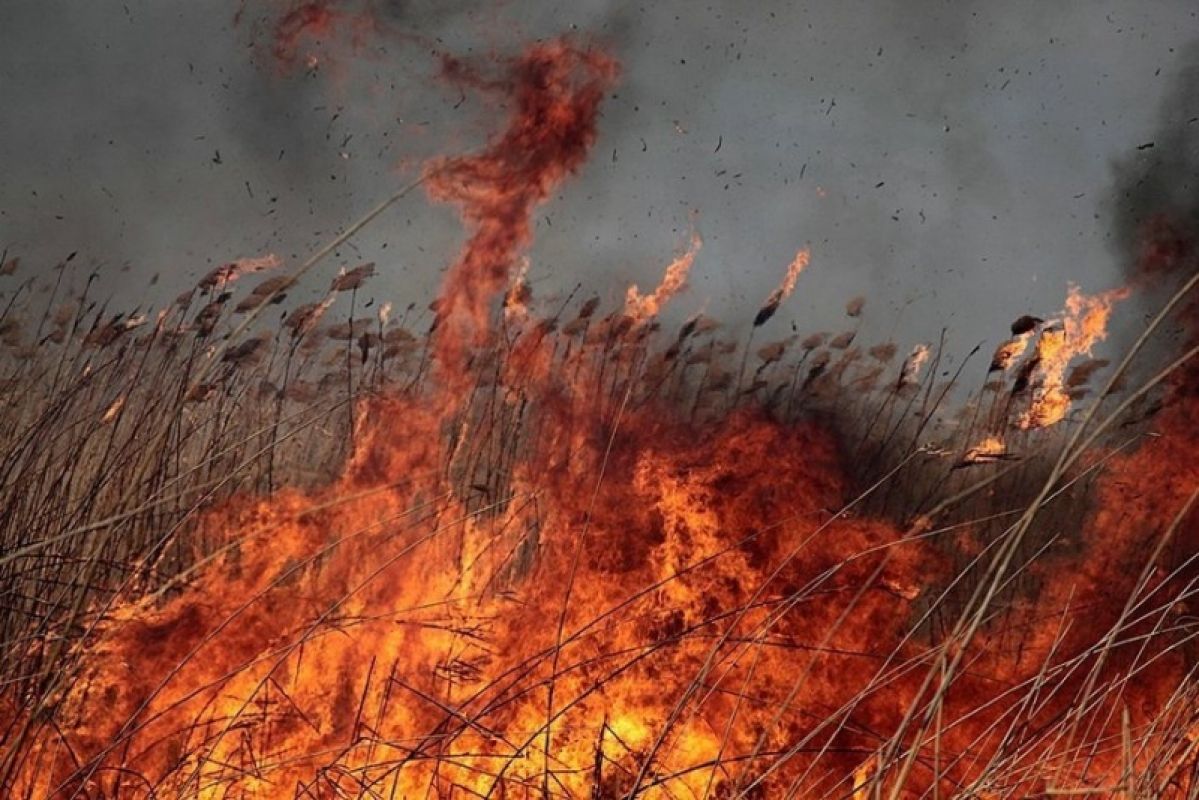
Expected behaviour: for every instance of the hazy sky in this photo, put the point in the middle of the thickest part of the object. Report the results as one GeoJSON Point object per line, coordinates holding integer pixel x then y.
{"type": "Point", "coordinates": [949, 160]}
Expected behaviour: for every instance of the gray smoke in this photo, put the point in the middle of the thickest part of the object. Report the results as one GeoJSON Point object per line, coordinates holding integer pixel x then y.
{"type": "Point", "coordinates": [949, 160]}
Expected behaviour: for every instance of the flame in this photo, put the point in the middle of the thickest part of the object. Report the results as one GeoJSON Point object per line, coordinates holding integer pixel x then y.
{"type": "Point", "coordinates": [861, 778]}
{"type": "Point", "coordinates": [1082, 326]}
{"type": "Point", "coordinates": [992, 448]}
{"type": "Point", "coordinates": [307, 32]}
{"type": "Point", "coordinates": [1010, 351]}
{"type": "Point", "coordinates": [516, 301]}
{"type": "Point", "coordinates": [536, 577]}
{"type": "Point", "coordinates": [308, 20]}
{"type": "Point", "coordinates": [239, 684]}
{"type": "Point", "coordinates": [642, 307]}
{"type": "Point", "coordinates": [112, 411]}
{"type": "Point", "coordinates": [784, 289]}
{"type": "Point", "coordinates": [556, 89]}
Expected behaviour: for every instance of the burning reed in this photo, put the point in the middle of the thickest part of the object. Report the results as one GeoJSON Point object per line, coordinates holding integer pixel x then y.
{"type": "Point", "coordinates": [571, 553]}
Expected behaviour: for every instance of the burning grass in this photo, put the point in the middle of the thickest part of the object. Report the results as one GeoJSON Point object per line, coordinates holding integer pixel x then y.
{"type": "Point", "coordinates": [503, 551]}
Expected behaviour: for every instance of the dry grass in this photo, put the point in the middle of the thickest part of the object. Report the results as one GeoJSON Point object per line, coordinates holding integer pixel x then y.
{"type": "Point", "coordinates": [118, 432]}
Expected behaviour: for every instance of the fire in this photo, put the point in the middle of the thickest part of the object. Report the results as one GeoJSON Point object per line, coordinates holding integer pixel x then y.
{"type": "Point", "coordinates": [420, 654]}
{"type": "Point", "coordinates": [557, 89]}
{"type": "Point", "coordinates": [305, 33]}
{"type": "Point", "coordinates": [538, 575]}
{"type": "Point", "coordinates": [1083, 325]}
{"type": "Point", "coordinates": [641, 308]}
{"type": "Point", "coordinates": [784, 289]}
{"type": "Point", "coordinates": [990, 449]}
{"type": "Point", "coordinates": [307, 20]}
{"type": "Point", "coordinates": [1009, 351]}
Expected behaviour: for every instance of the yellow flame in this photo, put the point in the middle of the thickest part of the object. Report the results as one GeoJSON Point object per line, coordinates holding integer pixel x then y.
{"type": "Point", "coordinates": [1083, 325]}
{"type": "Point", "coordinates": [642, 307]}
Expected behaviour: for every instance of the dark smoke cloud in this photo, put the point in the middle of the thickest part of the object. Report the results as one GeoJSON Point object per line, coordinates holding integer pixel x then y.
{"type": "Point", "coordinates": [1156, 193]}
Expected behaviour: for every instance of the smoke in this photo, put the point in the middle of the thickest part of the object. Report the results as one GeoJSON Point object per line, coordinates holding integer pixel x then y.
{"type": "Point", "coordinates": [1155, 206]}
{"type": "Point", "coordinates": [1156, 193]}
{"type": "Point", "coordinates": [669, 497]}
{"type": "Point", "coordinates": [929, 155]}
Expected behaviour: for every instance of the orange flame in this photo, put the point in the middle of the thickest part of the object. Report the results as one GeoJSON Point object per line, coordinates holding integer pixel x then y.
{"type": "Point", "coordinates": [642, 307]}
{"type": "Point", "coordinates": [1083, 325]}
{"type": "Point", "coordinates": [784, 289]}
{"type": "Point", "coordinates": [556, 90]}
{"type": "Point", "coordinates": [625, 604]}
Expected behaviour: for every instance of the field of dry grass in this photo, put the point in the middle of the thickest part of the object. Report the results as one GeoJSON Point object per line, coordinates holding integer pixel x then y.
{"type": "Point", "coordinates": [123, 433]}
{"type": "Point", "coordinates": [505, 546]}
